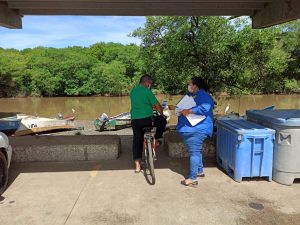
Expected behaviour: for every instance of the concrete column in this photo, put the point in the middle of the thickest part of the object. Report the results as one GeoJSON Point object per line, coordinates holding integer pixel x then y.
{"type": "Point", "coordinates": [279, 11]}
{"type": "Point", "coordinates": [9, 18]}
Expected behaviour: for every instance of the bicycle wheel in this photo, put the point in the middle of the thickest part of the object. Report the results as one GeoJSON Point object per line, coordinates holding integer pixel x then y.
{"type": "Point", "coordinates": [149, 159]}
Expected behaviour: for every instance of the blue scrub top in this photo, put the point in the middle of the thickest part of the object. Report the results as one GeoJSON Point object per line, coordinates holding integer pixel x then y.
{"type": "Point", "coordinates": [205, 105]}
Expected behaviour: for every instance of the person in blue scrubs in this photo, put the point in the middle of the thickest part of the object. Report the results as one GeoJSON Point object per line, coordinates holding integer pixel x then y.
{"type": "Point", "coordinates": [194, 136]}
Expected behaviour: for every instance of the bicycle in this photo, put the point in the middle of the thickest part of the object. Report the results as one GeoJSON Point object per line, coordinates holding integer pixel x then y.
{"type": "Point", "coordinates": [149, 155]}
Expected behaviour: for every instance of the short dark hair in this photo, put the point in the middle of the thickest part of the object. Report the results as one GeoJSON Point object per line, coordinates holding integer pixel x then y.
{"type": "Point", "coordinates": [200, 83]}
{"type": "Point", "coordinates": [145, 77]}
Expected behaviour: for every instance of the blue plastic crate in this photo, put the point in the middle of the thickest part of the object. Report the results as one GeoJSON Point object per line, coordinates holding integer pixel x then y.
{"type": "Point", "coordinates": [245, 149]}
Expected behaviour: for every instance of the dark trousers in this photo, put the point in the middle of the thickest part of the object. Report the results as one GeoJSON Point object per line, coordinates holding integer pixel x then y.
{"type": "Point", "coordinates": [138, 134]}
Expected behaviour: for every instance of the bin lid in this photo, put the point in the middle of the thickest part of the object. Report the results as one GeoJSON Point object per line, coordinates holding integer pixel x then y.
{"type": "Point", "coordinates": [242, 126]}
{"type": "Point", "coordinates": [283, 117]}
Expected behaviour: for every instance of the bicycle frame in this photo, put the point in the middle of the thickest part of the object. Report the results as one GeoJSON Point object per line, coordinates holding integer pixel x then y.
{"type": "Point", "coordinates": [150, 136]}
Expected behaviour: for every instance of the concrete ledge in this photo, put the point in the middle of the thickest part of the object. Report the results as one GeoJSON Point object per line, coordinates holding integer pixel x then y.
{"type": "Point", "coordinates": [175, 147]}
{"type": "Point", "coordinates": [65, 148]}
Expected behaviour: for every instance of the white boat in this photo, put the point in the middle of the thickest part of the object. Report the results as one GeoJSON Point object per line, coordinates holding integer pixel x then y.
{"type": "Point", "coordinates": [9, 125]}
{"type": "Point", "coordinates": [35, 124]}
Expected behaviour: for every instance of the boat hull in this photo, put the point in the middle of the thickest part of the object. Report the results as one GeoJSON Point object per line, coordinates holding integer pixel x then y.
{"type": "Point", "coordinates": [33, 125]}
{"type": "Point", "coordinates": [118, 122]}
{"type": "Point", "coordinates": [9, 125]}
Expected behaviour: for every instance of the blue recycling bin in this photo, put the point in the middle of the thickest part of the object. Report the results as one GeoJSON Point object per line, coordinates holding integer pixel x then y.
{"type": "Point", "coordinates": [245, 149]}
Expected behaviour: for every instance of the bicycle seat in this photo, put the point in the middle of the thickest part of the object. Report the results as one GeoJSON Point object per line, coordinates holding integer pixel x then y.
{"type": "Point", "coordinates": [147, 129]}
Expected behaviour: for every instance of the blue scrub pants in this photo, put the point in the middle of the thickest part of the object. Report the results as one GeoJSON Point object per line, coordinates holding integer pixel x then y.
{"type": "Point", "coordinates": [194, 142]}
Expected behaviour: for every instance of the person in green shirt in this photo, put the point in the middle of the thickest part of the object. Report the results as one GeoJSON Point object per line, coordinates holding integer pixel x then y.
{"type": "Point", "coordinates": [143, 101]}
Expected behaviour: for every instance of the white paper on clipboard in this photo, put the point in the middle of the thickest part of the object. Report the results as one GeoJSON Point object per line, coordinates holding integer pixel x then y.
{"type": "Point", "coordinates": [195, 119]}
{"type": "Point", "coordinates": [188, 102]}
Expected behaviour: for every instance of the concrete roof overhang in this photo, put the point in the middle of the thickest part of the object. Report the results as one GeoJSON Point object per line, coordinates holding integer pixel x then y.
{"type": "Point", "coordinates": [264, 13]}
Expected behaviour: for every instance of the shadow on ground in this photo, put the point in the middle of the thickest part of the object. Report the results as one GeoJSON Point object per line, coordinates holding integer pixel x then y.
{"type": "Point", "coordinates": [124, 162]}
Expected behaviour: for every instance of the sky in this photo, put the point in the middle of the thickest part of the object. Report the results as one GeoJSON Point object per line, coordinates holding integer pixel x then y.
{"type": "Point", "coordinates": [64, 31]}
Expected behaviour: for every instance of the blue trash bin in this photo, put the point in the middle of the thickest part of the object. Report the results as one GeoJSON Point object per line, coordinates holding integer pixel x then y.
{"type": "Point", "coordinates": [245, 149]}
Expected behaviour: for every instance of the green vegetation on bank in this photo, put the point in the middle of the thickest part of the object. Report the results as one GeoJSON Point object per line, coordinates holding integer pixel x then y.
{"type": "Point", "coordinates": [231, 55]}
{"type": "Point", "coordinates": [233, 58]}
{"type": "Point", "coordinates": [74, 71]}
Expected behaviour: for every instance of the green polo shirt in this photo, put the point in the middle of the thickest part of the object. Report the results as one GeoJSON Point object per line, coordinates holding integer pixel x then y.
{"type": "Point", "coordinates": [142, 102]}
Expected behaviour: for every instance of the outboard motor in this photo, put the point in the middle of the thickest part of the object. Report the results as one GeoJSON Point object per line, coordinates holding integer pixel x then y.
{"type": "Point", "coordinates": [103, 118]}
{"type": "Point", "coordinates": [101, 121]}
{"type": "Point", "coordinates": [60, 116]}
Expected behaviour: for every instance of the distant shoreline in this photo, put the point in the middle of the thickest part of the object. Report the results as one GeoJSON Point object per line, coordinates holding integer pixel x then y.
{"type": "Point", "coordinates": [160, 93]}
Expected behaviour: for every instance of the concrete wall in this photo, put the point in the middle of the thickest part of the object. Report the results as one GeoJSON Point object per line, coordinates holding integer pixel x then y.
{"type": "Point", "coordinates": [65, 148]}
{"type": "Point", "coordinates": [175, 147]}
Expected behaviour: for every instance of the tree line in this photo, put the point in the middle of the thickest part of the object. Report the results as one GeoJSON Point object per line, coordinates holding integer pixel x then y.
{"type": "Point", "coordinates": [228, 53]}
{"type": "Point", "coordinates": [103, 68]}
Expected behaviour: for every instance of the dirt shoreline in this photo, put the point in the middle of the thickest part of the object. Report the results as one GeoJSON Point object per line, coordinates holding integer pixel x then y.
{"type": "Point", "coordinates": [86, 127]}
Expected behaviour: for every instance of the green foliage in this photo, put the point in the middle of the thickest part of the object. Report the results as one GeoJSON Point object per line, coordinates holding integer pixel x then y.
{"type": "Point", "coordinates": [291, 85]}
{"type": "Point", "coordinates": [229, 54]}
{"type": "Point", "coordinates": [12, 69]}
{"type": "Point", "coordinates": [113, 79]}
{"type": "Point", "coordinates": [74, 71]}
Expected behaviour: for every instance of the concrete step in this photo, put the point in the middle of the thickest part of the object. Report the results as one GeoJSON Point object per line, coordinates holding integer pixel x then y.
{"type": "Point", "coordinates": [174, 146]}
{"type": "Point", "coordinates": [65, 148]}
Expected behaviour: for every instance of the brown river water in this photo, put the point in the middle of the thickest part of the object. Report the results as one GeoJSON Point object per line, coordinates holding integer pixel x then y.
{"type": "Point", "coordinates": [89, 108]}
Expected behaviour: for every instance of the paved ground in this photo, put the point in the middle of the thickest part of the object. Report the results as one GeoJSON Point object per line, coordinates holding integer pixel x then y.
{"type": "Point", "coordinates": [110, 193]}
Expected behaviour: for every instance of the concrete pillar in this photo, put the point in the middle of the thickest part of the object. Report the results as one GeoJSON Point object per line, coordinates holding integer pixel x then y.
{"type": "Point", "coordinates": [279, 11]}
{"type": "Point", "coordinates": [9, 18]}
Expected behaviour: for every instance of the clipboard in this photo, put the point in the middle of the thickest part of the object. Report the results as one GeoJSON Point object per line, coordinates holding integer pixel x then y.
{"type": "Point", "coordinates": [188, 102]}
